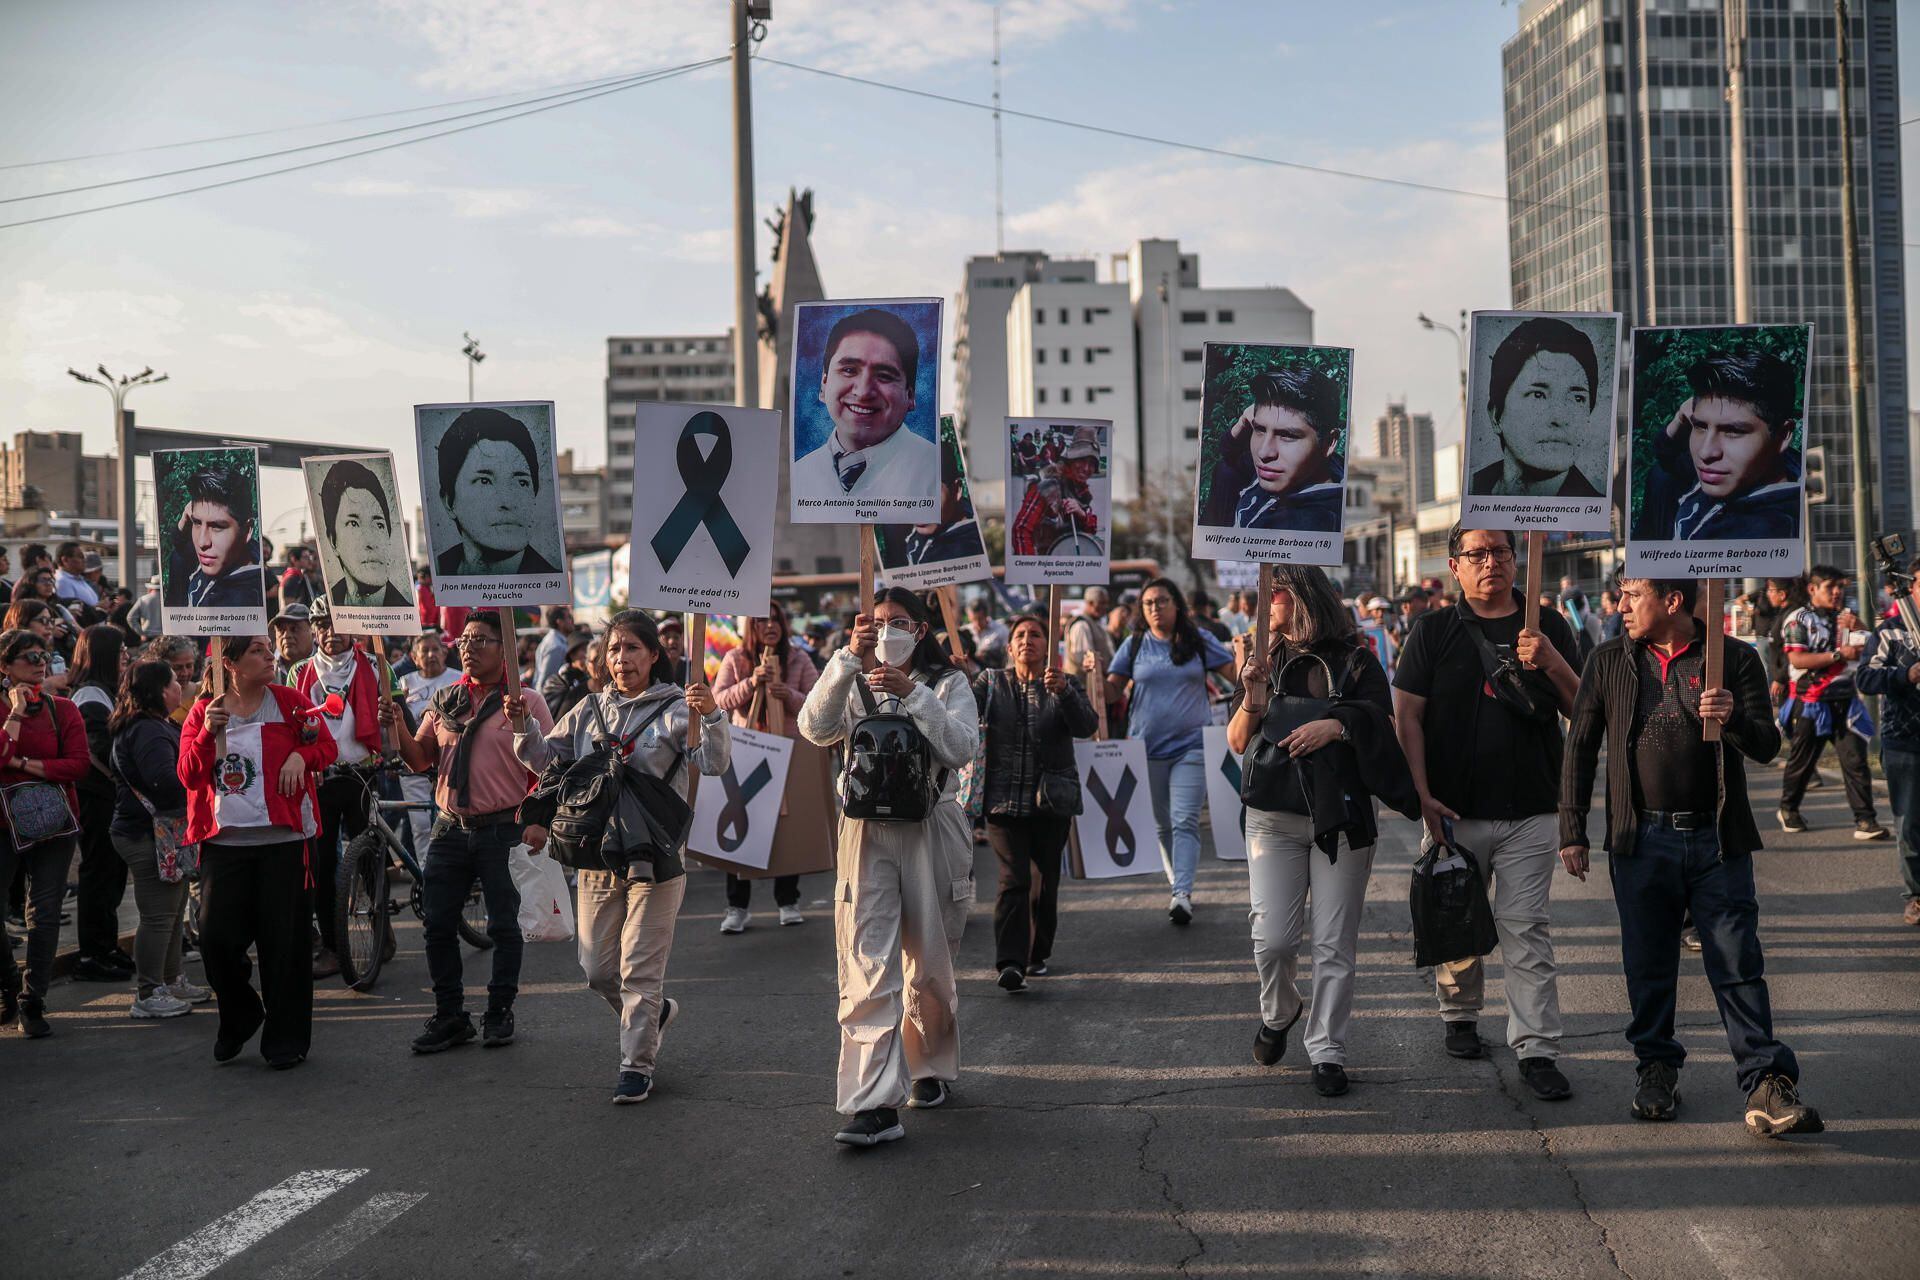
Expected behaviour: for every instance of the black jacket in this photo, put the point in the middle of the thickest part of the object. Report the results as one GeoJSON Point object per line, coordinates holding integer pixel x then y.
{"type": "Point", "coordinates": [564, 690]}
{"type": "Point", "coordinates": [1027, 731]}
{"type": "Point", "coordinates": [1604, 708]}
{"type": "Point", "coordinates": [146, 753]}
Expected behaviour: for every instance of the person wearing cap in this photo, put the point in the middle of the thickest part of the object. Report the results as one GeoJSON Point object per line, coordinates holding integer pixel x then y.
{"type": "Point", "coordinates": [1059, 503]}
{"type": "Point", "coordinates": [673, 646]}
{"type": "Point", "coordinates": [292, 634]}
{"type": "Point", "coordinates": [144, 617]}
{"type": "Point", "coordinates": [1380, 632]}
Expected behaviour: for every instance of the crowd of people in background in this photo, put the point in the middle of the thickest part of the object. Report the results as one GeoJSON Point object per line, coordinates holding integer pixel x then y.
{"type": "Point", "coordinates": [231, 812]}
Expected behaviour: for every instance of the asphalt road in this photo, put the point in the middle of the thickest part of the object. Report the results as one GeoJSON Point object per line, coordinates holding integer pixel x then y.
{"type": "Point", "coordinates": [1111, 1122]}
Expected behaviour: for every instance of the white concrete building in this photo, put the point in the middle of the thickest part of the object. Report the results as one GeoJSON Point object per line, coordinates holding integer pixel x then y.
{"type": "Point", "coordinates": [694, 368]}
{"type": "Point", "coordinates": [1070, 352]}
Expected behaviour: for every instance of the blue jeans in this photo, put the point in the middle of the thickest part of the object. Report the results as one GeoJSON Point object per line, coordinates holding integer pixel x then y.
{"type": "Point", "coordinates": [1179, 787]}
{"type": "Point", "coordinates": [1903, 786]}
{"type": "Point", "coordinates": [1668, 874]}
{"type": "Point", "coordinates": [455, 855]}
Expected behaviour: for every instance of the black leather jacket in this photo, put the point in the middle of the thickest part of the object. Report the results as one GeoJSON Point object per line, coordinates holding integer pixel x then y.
{"type": "Point", "coordinates": [1027, 731]}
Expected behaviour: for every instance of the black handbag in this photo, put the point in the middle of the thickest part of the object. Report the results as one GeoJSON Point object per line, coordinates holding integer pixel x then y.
{"type": "Point", "coordinates": [1452, 919]}
{"type": "Point", "coordinates": [1269, 777]}
{"type": "Point", "coordinates": [586, 830]}
{"type": "Point", "coordinates": [1057, 792]}
{"type": "Point", "coordinates": [889, 774]}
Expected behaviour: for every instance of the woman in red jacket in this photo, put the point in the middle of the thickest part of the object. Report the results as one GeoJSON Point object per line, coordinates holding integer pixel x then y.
{"type": "Point", "coordinates": [43, 740]}
{"type": "Point", "coordinates": [248, 761]}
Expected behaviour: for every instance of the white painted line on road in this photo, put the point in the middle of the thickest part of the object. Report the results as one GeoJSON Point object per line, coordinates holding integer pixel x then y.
{"type": "Point", "coordinates": [252, 1222]}
{"type": "Point", "coordinates": [358, 1227]}
{"type": "Point", "coordinates": [1736, 1256]}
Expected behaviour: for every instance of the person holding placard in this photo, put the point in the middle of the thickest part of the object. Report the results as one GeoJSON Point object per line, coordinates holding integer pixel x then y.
{"type": "Point", "coordinates": [1473, 686]}
{"type": "Point", "coordinates": [1680, 838]}
{"type": "Point", "coordinates": [898, 879]}
{"type": "Point", "coordinates": [627, 917]}
{"type": "Point", "coordinates": [763, 670]}
{"type": "Point", "coordinates": [1165, 663]}
{"type": "Point", "coordinates": [1030, 713]}
{"type": "Point", "coordinates": [1314, 724]}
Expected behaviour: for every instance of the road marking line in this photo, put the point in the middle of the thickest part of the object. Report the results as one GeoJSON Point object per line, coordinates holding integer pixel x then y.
{"type": "Point", "coordinates": [1735, 1256]}
{"type": "Point", "coordinates": [225, 1237]}
{"type": "Point", "coordinates": [356, 1229]}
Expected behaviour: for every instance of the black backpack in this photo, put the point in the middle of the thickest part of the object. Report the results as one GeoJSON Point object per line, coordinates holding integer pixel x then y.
{"type": "Point", "coordinates": [889, 774]}
{"type": "Point", "coordinates": [586, 794]}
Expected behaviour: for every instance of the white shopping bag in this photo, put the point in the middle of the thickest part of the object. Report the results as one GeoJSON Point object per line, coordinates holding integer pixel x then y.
{"type": "Point", "coordinates": [546, 907]}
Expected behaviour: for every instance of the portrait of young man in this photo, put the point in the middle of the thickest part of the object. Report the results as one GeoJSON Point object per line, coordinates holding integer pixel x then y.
{"type": "Point", "coordinates": [954, 536]}
{"type": "Point", "coordinates": [214, 560]}
{"type": "Point", "coordinates": [868, 385]}
{"type": "Point", "coordinates": [1283, 464]}
{"type": "Point", "coordinates": [1548, 405]}
{"type": "Point", "coordinates": [1726, 465]}
{"type": "Point", "coordinates": [364, 552]}
{"type": "Point", "coordinates": [487, 473]}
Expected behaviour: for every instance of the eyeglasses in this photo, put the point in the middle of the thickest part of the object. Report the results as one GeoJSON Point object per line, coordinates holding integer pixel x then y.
{"type": "Point", "coordinates": [36, 656]}
{"type": "Point", "coordinates": [474, 642]}
{"type": "Point", "coordinates": [1479, 556]}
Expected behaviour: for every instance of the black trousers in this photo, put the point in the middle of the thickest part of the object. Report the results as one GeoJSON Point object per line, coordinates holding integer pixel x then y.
{"type": "Point", "coordinates": [1804, 745]}
{"type": "Point", "coordinates": [343, 808]}
{"type": "Point", "coordinates": [45, 867]}
{"type": "Point", "coordinates": [456, 855]}
{"type": "Point", "coordinates": [103, 878]}
{"type": "Point", "coordinates": [786, 891]}
{"type": "Point", "coordinates": [255, 896]}
{"type": "Point", "coordinates": [1026, 912]}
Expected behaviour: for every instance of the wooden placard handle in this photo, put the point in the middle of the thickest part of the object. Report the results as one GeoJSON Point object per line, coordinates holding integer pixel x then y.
{"type": "Point", "coordinates": [1263, 612]}
{"type": "Point", "coordinates": [386, 691]}
{"type": "Point", "coordinates": [217, 673]}
{"type": "Point", "coordinates": [868, 553]}
{"type": "Point", "coordinates": [1053, 627]}
{"type": "Point", "coordinates": [1099, 693]}
{"type": "Point", "coordinates": [949, 597]}
{"type": "Point", "coordinates": [1536, 566]}
{"type": "Point", "coordinates": [696, 674]}
{"type": "Point", "coordinates": [509, 651]}
{"type": "Point", "coordinates": [1716, 650]}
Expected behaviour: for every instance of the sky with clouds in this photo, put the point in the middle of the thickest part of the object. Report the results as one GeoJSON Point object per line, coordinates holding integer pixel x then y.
{"type": "Point", "coordinates": [321, 305]}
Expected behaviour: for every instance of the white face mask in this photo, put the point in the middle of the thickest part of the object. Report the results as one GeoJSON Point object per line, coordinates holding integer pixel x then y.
{"type": "Point", "coordinates": [896, 647]}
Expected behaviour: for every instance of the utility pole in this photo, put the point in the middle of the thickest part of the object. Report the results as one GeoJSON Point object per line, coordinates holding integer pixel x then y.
{"type": "Point", "coordinates": [1734, 23]}
{"type": "Point", "coordinates": [1170, 478]}
{"type": "Point", "coordinates": [749, 19]}
{"type": "Point", "coordinates": [999, 165]}
{"type": "Point", "coordinates": [123, 437]}
{"type": "Point", "coordinates": [474, 356]}
{"type": "Point", "coordinates": [1856, 375]}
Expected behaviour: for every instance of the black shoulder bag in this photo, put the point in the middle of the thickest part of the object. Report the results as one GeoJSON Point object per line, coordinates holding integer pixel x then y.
{"type": "Point", "coordinates": [1507, 678]}
{"type": "Point", "coordinates": [586, 794]}
{"type": "Point", "coordinates": [889, 774]}
{"type": "Point", "coordinates": [1269, 777]}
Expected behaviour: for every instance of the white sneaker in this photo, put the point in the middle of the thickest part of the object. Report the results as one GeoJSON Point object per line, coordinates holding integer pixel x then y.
{"type": "Point", "coordinates": [1180, 909]}
{"type": "Point", "coordinates": [161, 1004]}
{"type": "Point", "coordinates": [791, 915]}
{"type": "Point", "coordinates": [181, 989]}
{"type": "Point", "coordinates": [735, 921]}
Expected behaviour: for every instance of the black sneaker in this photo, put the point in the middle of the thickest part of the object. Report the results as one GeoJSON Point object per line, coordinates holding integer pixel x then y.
{"type": "Point", "coordinates": [1790, 820]}
{"type": "Point", "coordinates": [496, 1028]}
{"type": "Point", "coordinates": [1038, 969]}
{"type": "Point", "coordinates": [1658, 1097]}
{"type": "Point", "coordinates": [443, 1032]}
{"type": "Point", "coordinates": [1774, 1108]}
{"type": "Point", "coordinates": [871, 1128]}
{"type": "Point", "coordinates": [1269, 1046]}
{"type": "Point", "coordinates": [226, 1049]}
{"type": "Point", "coordinates": [10, 1001]}
{"type": "Point", "coordinates": [1690, 938]}
{"type": "Point", "coordinates": [119, 959]}
{"type": "Point", "coordinates": [1545, 1079]}
{"type": "Point", "coordinates": [928, 1094]}
{"type": "Point", "coordinates": [286, 1061]}
{"type": "Point", "coordinates": [33, 1020]}
{"type": "Point", "coordinates": [1868, 829]}
{"type": "Point", "coordinates": [1463, 1041]}
{"type": "Point", "coordinates": [634, 1087]}
{"type": "Point", "coordinates": [96, 969]}
{"type": "Point", "coordinates": [1011, 979]}
{"type": "Point", "coordinates": [1329, 1079]}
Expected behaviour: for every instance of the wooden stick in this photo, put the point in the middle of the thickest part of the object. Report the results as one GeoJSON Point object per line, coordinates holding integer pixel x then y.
{"type": "Point", "coordinates": [386, 691]}
{"type": "Point", "coordinates": [1053, 627]}
{"type": "Point", "coordinates": [1099, 692]}
{"type": "Point", "coordinates": [1716, 642]}
{"type": "Point", "coordinates": [509, 651]}
{"type": "Point", "coordinates": [868, 554]}
{"type": "Point", "coordinates": [217, 673]}
{"type": "Point", "coordinates": [696, 633]}
{"type": "Point", "coordinates": [949, 597]}
{"type": "Point", "coordinates": [1536, 564]}
{"type": "Point", "coordinates": [1262, 613]}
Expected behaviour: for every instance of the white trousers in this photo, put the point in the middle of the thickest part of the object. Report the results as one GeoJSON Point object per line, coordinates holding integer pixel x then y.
{"type": "Point", "coordinates": [1522, 856]}
{"type": "Point", "coordinates": [1287, 873]}
{"type": "Point", "coordinates": [898, 907]}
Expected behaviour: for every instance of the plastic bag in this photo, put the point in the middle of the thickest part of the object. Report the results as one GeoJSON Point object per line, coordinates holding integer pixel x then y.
{"type": "Point", "coordinates": [1452, 919]}
{"type": "Point", "coordinates": [546, 905]}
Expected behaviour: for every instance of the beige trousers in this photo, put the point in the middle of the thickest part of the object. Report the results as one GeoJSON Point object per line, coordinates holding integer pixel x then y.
{"type": "Point", "coordinates": [1521, 856]}
{"type": "Point", "coordinates": [899, 904]}
{"type": "Point", "coordinates": [626, 933]}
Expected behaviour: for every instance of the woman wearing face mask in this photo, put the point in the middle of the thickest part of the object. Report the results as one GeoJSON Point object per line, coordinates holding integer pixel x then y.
{"type": "Point", "coordinates": [627, 918]}
{"type": "Point", "coordinates": [765, 671]}
{"type": "Point", "coordinates": [903, 887]}
{"type": "Point", "coordinates": [1166, 659]}
{"type": "Point", "coordinates": [1030, 713]}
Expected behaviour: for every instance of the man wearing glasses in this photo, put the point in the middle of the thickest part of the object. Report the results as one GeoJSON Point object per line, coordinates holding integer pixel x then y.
{"type": "Point", "coordinates": [1477, 704]}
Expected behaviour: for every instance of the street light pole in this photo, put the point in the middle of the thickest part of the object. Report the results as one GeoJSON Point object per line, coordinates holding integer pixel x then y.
{"type": "Point", "coordinates": [123, 439]}
{"type": "Point", "coordinates": [474, 356]}
{"type": "Point", "coordinates": [749, 17]}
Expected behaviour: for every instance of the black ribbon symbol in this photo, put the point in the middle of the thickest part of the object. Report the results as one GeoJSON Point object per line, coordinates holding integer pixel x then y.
{"type": "Point", "coordinates": [702, 504]}
{"type": "Point", "coordinates": [733, 817]}
{"type": "Point", "coordinates": [1114, 805]}
{"type": "Point", "coordinates": [1230, 770]}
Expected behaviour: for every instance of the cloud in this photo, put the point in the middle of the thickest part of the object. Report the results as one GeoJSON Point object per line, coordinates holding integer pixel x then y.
{"type": "Point", "coordinates": [479, 47]}
{"type": "Point", "coordinates": [462, 202]}
{"type": "Point", "coordinates": [598, 226]}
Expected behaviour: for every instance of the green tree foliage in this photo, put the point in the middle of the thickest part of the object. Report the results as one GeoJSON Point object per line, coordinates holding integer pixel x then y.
{"type": "Point", "coordinates": [1231, 366]}
{"type": "Point", "coordinates": [175, 469]}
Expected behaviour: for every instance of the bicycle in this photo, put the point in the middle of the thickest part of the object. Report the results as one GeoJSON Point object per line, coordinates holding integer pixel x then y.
{"type": "Point", "coordinates": [362, 904]}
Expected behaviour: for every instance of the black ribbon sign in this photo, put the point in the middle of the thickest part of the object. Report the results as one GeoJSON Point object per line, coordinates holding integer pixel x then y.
{"type": "Point", "coordinates": [733, 817]}
{"type": "Point", "coordinates": [1114, 805]}
{"type": "Point", "coordinates": [1230, 770]}
{"type": "Point", "coordinates": [702, 503]}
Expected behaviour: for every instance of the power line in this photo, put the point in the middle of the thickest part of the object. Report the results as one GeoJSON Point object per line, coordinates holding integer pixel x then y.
{"type": "Point", "coordinates": [654, 78]}
{"type": "Point", "coordinates": [316, 124]}
{"type": "Point", "coordinates": [314, 146]}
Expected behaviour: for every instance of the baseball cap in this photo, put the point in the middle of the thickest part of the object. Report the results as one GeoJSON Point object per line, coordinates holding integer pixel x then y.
{"type": "Point", "coordinates": [92, 561]}
{"type": "Point", "coordinates": [288, 612]}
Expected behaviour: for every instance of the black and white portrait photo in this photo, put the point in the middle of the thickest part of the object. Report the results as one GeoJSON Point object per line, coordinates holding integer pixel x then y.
{"type": "Point", "coordinates": [489, 491]}
{"type": "Point", "coordinates": [354, 504]}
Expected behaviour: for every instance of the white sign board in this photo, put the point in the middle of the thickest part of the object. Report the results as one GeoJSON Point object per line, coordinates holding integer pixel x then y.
{"type": "Point", "coordinates": [734, 814]}
{"type": "Point", "coordinates": [1223, 796]}
{"type": "Point", "coordinates": [490, 490]}
{"type": "Point", "coordinates": [1059, 501]}
{"type": "Point", "coordinates": [703, 525]}
{"type": "Point", "coordinates": [1115, 826]}
{"type": "Point", "coordinates": [354, 500]}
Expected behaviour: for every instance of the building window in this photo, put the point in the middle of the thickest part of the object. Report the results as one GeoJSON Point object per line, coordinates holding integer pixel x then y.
{"type": "Point", "coordinates": [1039, 315]}
{"type": "Point", "coordinates": [1193, 433]}
{"type": "Point", "coordinates": [1193, 317]}
{"type": "Point", "coordinates": [785, 565]}
{"type": "Point", "coordinates": [1039, 355]}
{"type": "Point", "coordinates": [646, 348]}
{"type": "Point", "coordinates": [626, 348]}
{"type": "Point", "coordinates": [1090, 392]}
{"type": "Point", "coordinates": [1190, 355]}
{"type": "Point", "coordinates": [1040, 395]}
{"type": "Point", "coordinates": [1190, 393]}
{"type": "Point", "coordinates": [1064, 316]}
{"type": "Point", "coordinates": [1066, 395]}
{"type": "Point", "coordinates": [1091, 312]}
{"type": "Point", "coordinates": [1224, 317]}
{"type": "Point", "coordinates": [1066, 355]}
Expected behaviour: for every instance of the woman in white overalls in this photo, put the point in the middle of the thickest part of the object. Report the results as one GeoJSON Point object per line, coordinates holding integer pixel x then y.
{"type": "Point", "coordinates": [898, 882]}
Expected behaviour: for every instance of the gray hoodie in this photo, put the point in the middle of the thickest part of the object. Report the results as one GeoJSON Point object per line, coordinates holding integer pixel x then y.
{"type": "Point", "coordinates": [663, 740]}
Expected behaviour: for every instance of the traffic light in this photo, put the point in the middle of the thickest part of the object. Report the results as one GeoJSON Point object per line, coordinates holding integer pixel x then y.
{"type": "Point", "coordinates": [1815, 462]}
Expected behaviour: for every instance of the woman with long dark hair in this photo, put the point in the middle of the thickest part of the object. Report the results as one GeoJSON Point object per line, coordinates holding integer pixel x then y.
{"type": "Point", "coordinates": [1165, 663]}
{"type": "Point", "coordinates": [98, 661]}
{"type": "Point", "coordinates": [1336, 764]}
{"type": "Point", "coordinates": [1030, 713]}
{"type": "Point", "coordinates": [43, 619]}
{"type": "Point", "coordinates": [627, 917]}
{"type": "Point", "coordinates": [764, 672]}
{"type": "Point", "coordinates": [145, 755]}
{"type": "Point", "coordinates": [903, 886]}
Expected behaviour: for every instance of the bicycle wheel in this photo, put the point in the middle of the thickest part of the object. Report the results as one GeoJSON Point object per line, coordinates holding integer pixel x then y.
{"type": "Point", "coordinates": [473, 919]}
{"type": "Point", "coordinates": [360, 910]}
